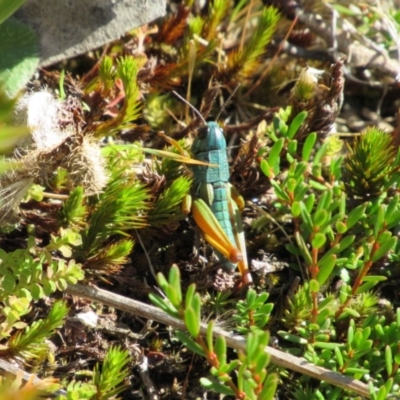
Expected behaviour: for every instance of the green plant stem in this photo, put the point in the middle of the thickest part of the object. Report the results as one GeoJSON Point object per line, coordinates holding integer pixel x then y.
{"type": "Point", "coordinates": [357, 283]}
{"type": "Point", "coordinates": [314, 295]}
{"type": "Point", "coordinates": [213, 361]}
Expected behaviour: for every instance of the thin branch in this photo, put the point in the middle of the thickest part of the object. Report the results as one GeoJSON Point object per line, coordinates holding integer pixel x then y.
{"type": "Point", "coordinates": [14, 369]}
{"type": "Point", "coordinates": [278, 357]}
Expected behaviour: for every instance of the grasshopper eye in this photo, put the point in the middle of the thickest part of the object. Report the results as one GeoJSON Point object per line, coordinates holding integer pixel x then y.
{"type": "Point", "coordinates": [203, 132]}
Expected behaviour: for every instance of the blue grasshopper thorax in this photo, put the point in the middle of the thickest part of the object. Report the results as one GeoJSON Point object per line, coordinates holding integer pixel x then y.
{"type": "Point", "coordinates": [210, 137]}
{"type": "Point", "coordinates": [210, 147]}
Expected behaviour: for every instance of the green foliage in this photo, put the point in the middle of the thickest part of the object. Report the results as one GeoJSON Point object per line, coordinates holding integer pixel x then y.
{"type": "Point", "coordinates": [119, 209]}
{"type": "Point", "coordinates": [110, 381]}
{"type": "Point", "coordinates": [19, 50]}
{"type": "Point", "coordinates": [372, 164]}
{"type": "Point", "coordinates": [9, 135]}
{"type": "Point", "coordinates": [339, 213]}
{"type": "Point", "coordinates": [32, 277]}
{"type": "Point", "coordinates": [125, 71]}
{"type": "Point", "coordinates": [243, 62]}
{"type": "Point", "coordinates": [7, 8]}
{"type": "Point", "coordinates": [79, 391]}
{"type": "Point", "coordinates": [336, 236]}
{"type": "Point", "coordinates": [252, 380]}
{"type": "Point", "coordinates": [108, 378]}
{"type": "Point", "coordinates": [74, 210]}
{"type": "Point", "coordinates": [167, 207]}
{"type": "Point", "coordinates": [31, 343]}
{"type": "Point", "coordinates": [253, 312]}
{"type": "Point", "coordinates": [25, 278]}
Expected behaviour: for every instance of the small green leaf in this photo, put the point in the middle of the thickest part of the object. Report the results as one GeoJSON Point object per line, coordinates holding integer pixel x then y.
{"type": "Point", "coordinates": [296, 209]}
{"type": "Point", "coordinates": [274, 154]}
{"type": "Point", "coordinates": [269, 387]}
{"type": "Point", "coordinates": [220, 350]}
{"type": "Point", "coordinates": [318, 241]}
{"type": "Point", "coordinates": [296, 124]}
{"type": "Point", "coordinates": [49, 287]}
{"type": "Point", "coordinates": [189, 295]}
{"type": "Point", "coordinates": [306, 217]}
{"type": "Point", "coordinates": [326, 268]}
{"type": "Point", "coordinates": [351, 312]}
{"type": "Point", "coordinates": [314, 286]}
{"type": "Point", "coordinates": [339, 357]}
{"type": "Point", "coordinates": [192, 321]}
{"type": "Point", "coordinates": [8, 283]}
{"type": "Point", "coordinates": [262, 362]}
{"type": "Point", "coordinates": [384, 236]}
{"type": "Point", "coordinates": [317, 172]}
{"type": "Point", "coordinates": [367, 286]}
{"type": "Point", "coordinates": [291, 184]}
{"type": "Point", "coordinates": [228, 368]}
{"type": "Point", "coordinates": [382, 393]}
{"type": "Point", "coordinates": [309, 202]}
{"type": "Point", "coordinates": [325, 201]}
{"type": "Point", "coordinates": [384, 248]}
{"type": "Point", "coordinates": [292, 147]}
{"type": "Point", "coordinates": [175, 282]}
{"type": "Point", "coordinates": [322, 337]}
{"type": "Point", "coordinates": [282, 195]}
{"type": "Point", "coordinates": [217, 387]}
{"type": "Point", "coordinates": [308, 146]}
{"type": "Point", "coordinates": [340, 227]}
{"type": "Point", "coordinates": [346, 242]}
{"type": "Point", "coordinates": [251, 297]}
{"type": "Point", "coordinates": [266, 169]}
{"type": "Point", "coordinates": [379, 221]}
{"type": "Point", "coordinates": [163, 283]}
{"type": "Point", "coordinates": [388, 360]}
{"type": "Point", "coordinates": [292, 249]}
{"type": "Point", "coordinates": [173, 296]}
{"type": "Point", "coordinates": [300, 191]}
{"type": "Point", "coordinates": [320, 153]}
{"type": "Point", "coordinates": [190, 343]}
{"type": "Point", "coordinates": [303, 248]}
{"type": "Point", "coordinates": [292, 338]}
{"type": "Point", "coordinates": [37, 291]}
{"type": "Point", "coordinates": [164, 304]}
{"type": "Point", "coordinates": [355, 215]}
{"type": "Point", "coordinates": [374, 278]}
{"type": "Point", "coordinates": [300, 169]}
{"type": "Point", "coordinates": [328, 346]}
{"type": "Point", "coordinates": [354, 370]}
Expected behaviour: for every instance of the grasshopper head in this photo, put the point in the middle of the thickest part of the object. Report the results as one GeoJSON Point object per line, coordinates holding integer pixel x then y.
{"type": "Point", "coordinates": [210, 137]}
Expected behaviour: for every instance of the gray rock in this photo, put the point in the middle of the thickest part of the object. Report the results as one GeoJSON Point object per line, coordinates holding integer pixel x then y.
{"type": "Point", "coordinates": [67, 28]}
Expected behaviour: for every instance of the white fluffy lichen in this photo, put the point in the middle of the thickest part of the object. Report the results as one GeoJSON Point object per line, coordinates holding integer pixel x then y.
{"type": "Point", "coordinates": [54, 142]}
{"type": "Point", "coordinates": [41, 113]}
{"type": "Point", "coordinates": [86, 166]}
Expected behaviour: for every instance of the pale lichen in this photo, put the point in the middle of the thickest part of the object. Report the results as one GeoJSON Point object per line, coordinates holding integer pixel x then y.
{"type": "Point", "coordinates": [54, 142]}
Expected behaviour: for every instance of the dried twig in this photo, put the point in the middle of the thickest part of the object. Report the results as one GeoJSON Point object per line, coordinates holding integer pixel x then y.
{"type": "Point", "coordinates": [147, 382]}
{"type": "Point", "coordinates": [278, 357]}
{"type": "Point", "coordinates": [14, 370]}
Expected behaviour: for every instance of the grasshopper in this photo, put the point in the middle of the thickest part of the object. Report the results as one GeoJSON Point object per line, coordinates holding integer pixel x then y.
{"type": "Point", "coordinates": [216, 205]}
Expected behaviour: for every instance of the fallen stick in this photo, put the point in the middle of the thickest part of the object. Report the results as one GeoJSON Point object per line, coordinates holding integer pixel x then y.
{"type": "Point", "coordinates": [278, 357]}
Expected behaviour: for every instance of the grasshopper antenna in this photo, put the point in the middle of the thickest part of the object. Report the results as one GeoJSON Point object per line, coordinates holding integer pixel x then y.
{"type": "Point", "coordinates": [227, 102]}
{"type": "Point", "coordinates": [192, 107]}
